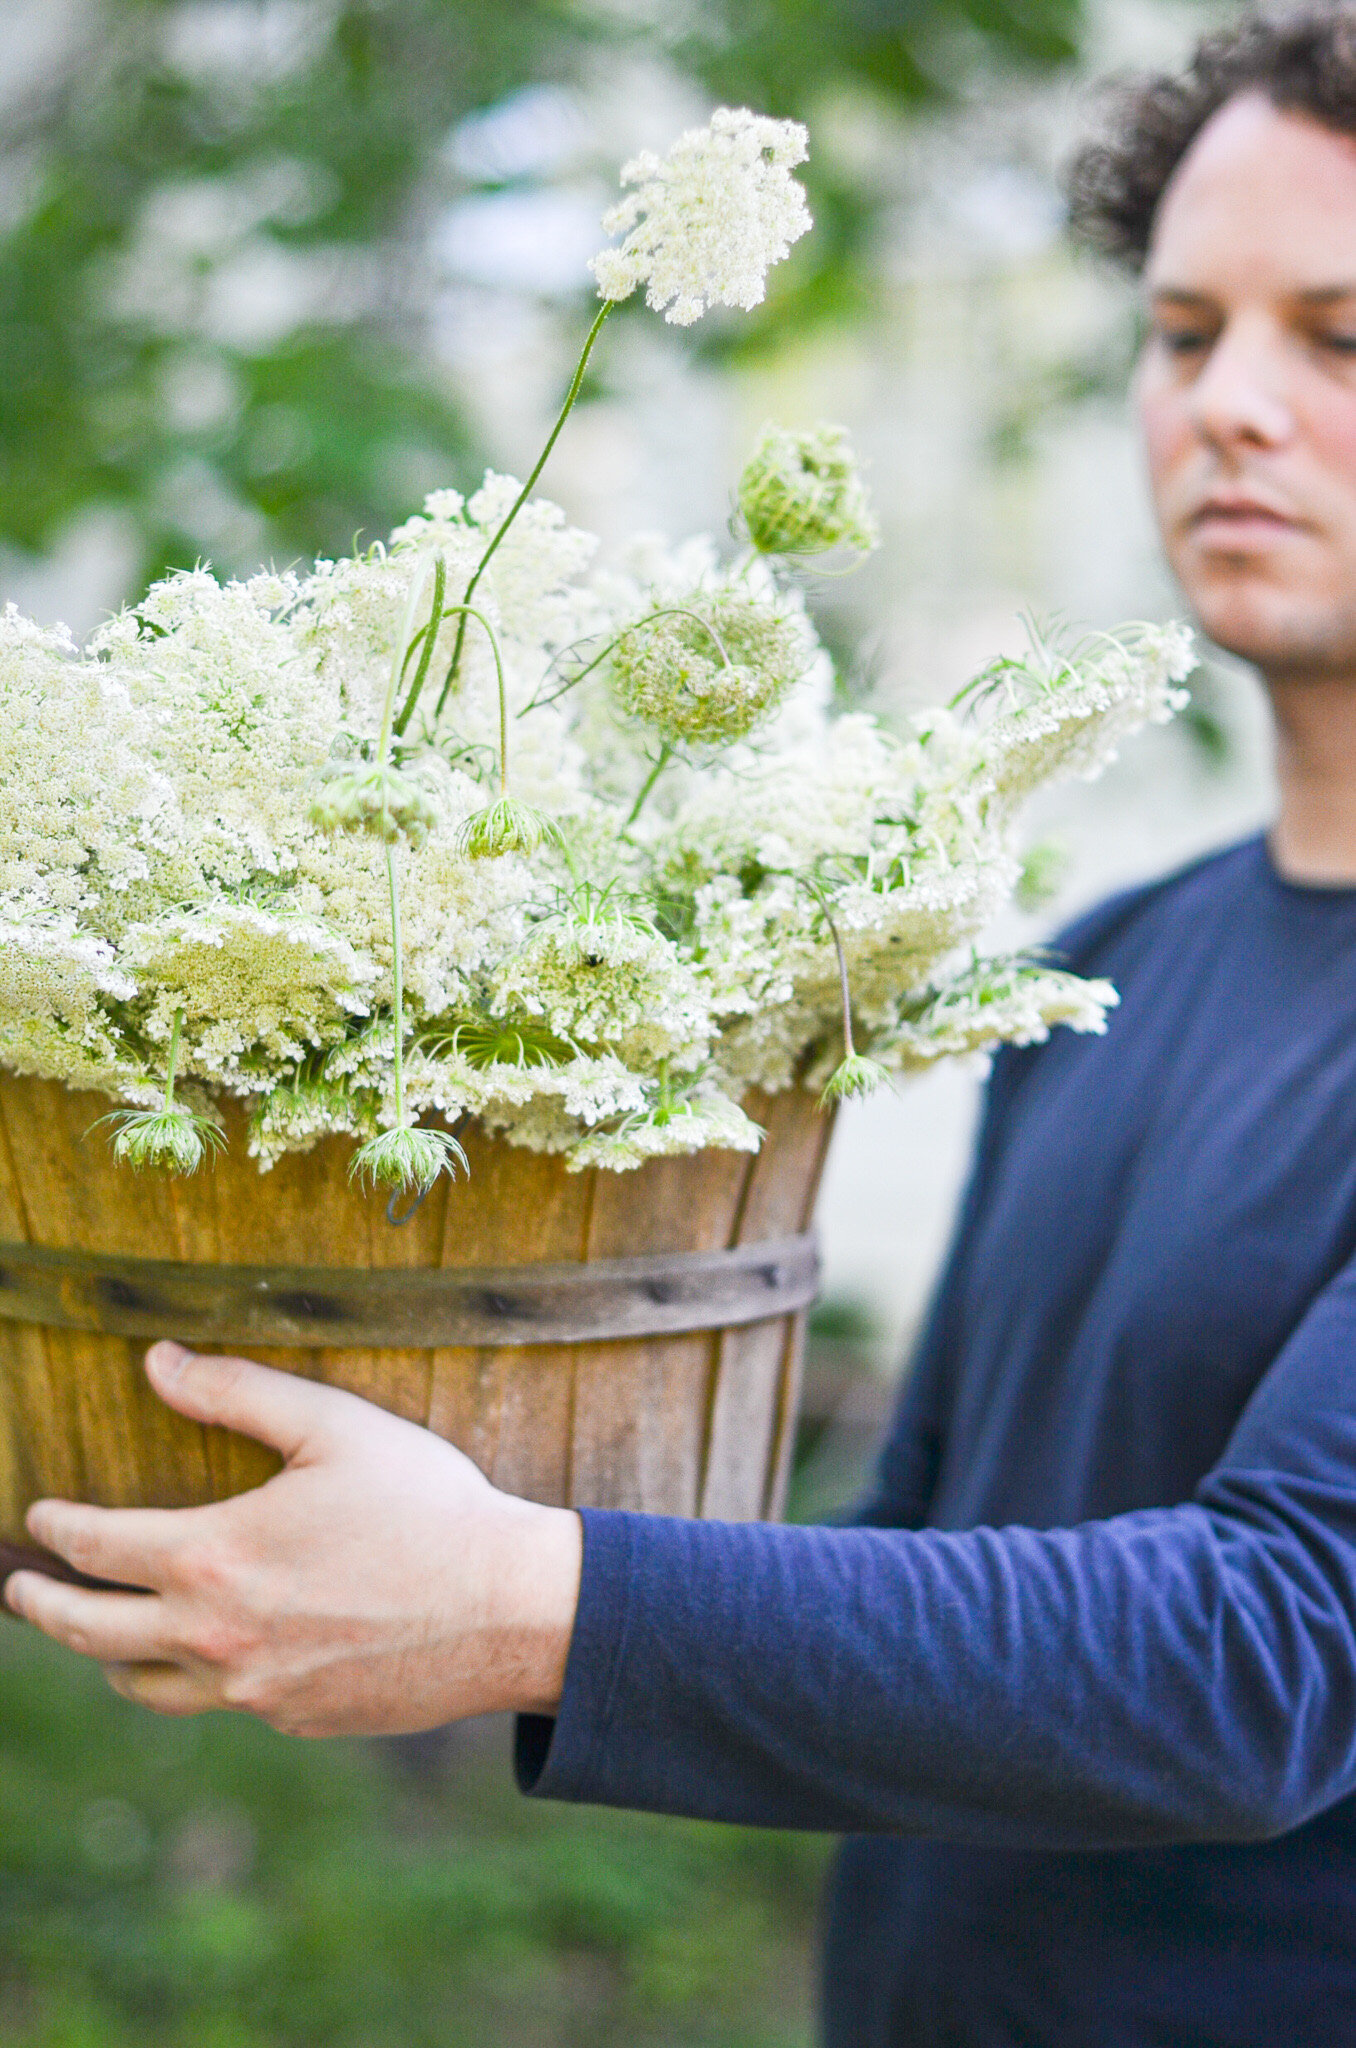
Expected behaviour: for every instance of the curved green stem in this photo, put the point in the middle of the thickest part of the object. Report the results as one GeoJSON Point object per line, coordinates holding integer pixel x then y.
{"type": "Point", "coordinates": [849, 1049]}
{"type": "Point", "coordinates": [844, 987]}
{"type": "Point", "coordinates": [398, 987]}
{"type": "Point", "coordinates": [576, 384]}
{"type": "Point", "coordinates": [536, 700]}
{"type": "Point", "coordinates": [176, 1032]}
{"type": "Point", "coordinates": [469, 611]}
{"type": "Point", "coordinates": [429, 635]}
{"type": "Point", "coordinates": [683, 611]}
{"type": "Point", "coordinates": [400, 657]}
{"type": "Point", "coordinates": [665, 756]}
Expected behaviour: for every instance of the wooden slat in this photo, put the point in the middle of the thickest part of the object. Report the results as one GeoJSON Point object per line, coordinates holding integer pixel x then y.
{"type": "Point", "coordinates": [518, 1199]}
{"type": "Point", "coordinates": [133, 1449]}
{"type": "Point", "coordinates": [464, 1400]}
{"type": "Point", "coordinates": [510, 1409]}
{"type": "Point", "coordinates": [534, 1397]}
{"type": "Point", "coordinates": [640, 1415]}
{"type": "Point", "coordinates": [639, 1424]}
{"type": "Point", "coordinates": [743, 1422]}
{"type": "Point", "coordinates": [691, 1202]}
{"type": "Point", "coordinates": [38, 1425]}
{"type": "Point", "coordinates": [786, 1406]}
{"type": "Point", "coordinates": [13, 1212]}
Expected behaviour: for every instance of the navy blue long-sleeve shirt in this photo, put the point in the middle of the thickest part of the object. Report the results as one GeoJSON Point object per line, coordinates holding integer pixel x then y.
{"type": "Point", "coordinates": [1083, 1680]}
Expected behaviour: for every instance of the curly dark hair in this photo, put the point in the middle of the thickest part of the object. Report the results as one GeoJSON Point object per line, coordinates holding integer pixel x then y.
{"type": "Point", "coordinates": [1304, 60]}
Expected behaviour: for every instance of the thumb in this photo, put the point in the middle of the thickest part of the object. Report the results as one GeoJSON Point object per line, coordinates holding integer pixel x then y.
{"type": "Point", "coordinates": [280, 1409]}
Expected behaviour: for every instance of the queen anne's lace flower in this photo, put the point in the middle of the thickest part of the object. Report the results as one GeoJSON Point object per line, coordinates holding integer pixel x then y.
{"type": "Point", "coordinates": [375, 799]}
{"type": "Point", "coordinates": [1065, 713]}
{"type": "Point", "coordinates": [59, 988]}
{"type": "Point", "coordinates": [692, 1125]}
{"type": "Point", "coordinates": [706, 223]}
{"type": "Point", "coordinates": [708, 669]}
{"type": "Point", "coordinates": [802, 494]}
{"type": "Point", "coordinates": [609, 983]}
{"type": "Point", "coordinates": [174, 1138]}
{"type": "Point", "coordinates": [249, 982]}
{"type": "Point", "coordinates": [998, 1002]}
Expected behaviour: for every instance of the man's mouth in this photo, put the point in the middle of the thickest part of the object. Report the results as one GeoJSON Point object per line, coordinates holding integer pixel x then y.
{"type": "Point", "coordinates": [1230, 519]}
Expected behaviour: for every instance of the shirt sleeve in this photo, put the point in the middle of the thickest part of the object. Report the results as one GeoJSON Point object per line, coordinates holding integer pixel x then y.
{"type": "Point", "coordinates": [1174, 1675]}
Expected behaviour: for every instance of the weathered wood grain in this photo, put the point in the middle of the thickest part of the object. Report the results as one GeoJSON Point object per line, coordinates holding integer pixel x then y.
{"type": "Point", "coordinates": [693, 1421]}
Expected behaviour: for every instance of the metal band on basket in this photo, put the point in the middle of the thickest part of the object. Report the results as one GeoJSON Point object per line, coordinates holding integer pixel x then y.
{"type": "Point", "coordinates": [402, 1307]}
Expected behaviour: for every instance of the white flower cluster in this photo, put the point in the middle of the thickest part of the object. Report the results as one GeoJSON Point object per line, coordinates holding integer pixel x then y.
{"type": "Point", "coordinates": [676, 937]}
{"type": "Point", "coordinates": [467, 827]}
{"type": "Point", "coordinates": [706, 222]}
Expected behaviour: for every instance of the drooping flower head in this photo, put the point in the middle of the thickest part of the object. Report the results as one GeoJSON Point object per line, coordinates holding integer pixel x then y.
{"type": "Point", "coordinates": [708, 669]}
{"type": "Point", "coordinates": [706, 223]}
{"type": "Point", "coordinates": [802, 494]}
{"type": "Point", "coordinates": [412, 1156]}
{"type": "Point", "coordinates": [373, 798]}
{"type": "Point", "coordinates": [174, 1139]}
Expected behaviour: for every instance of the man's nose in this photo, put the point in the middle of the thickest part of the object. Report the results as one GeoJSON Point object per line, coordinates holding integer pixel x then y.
{"type": "Point", "coordinates": [1239, 399]}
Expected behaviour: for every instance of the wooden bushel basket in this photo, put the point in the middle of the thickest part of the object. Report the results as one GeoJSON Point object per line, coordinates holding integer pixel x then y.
{"type": "Point", "coordinates": [616, 1340]}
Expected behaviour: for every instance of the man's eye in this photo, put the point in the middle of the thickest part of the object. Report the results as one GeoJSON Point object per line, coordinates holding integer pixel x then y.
{"type": "Point", "coordinates": [1340, 344]}
{"type": "Point", "coordinates": [1184, 341]}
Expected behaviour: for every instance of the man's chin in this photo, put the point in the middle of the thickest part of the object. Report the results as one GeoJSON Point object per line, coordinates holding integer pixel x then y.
{"type": "Point", "coordinates": [1282, 639]}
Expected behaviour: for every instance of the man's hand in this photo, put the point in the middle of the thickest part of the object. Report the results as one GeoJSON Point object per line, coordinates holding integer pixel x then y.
{"type": "Point", "coordinates": [379, 1584]}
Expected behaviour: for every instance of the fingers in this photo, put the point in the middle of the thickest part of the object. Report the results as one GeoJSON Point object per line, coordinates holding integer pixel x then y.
{"type": "Point", "coordinates": [113, 1627]}
{"type": "Point", "coordinates": [278, 1408]}
{"type": "Point", "coordinates": [129, 1546]}
{"type": "Point", "coordinates": [164, 1688]}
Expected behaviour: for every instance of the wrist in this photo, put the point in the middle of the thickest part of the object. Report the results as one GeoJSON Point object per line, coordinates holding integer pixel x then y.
{"type": "Point", "coordinates": [537, 1598]}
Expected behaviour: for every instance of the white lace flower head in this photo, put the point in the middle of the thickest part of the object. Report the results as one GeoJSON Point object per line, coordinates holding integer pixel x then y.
{"type": "Point", "coordinates": [706, 223]}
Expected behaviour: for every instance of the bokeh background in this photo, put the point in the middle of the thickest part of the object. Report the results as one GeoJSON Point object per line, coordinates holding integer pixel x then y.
{"type": "Point", "coordinates": [269, 271]}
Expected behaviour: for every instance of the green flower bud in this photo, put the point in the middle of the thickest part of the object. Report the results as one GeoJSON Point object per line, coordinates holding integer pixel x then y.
{"type": "Point", "coordinates": [505, 826]}
{"type": "Point", "coordinates": [802, 494]}
{"type": "Point", "coordinates": [854, 1076]}
{"type": "Point", "coordinates": [411, 1156]}
{"type": "Point", "coordinates": [173, 1138]}
{"type": "Point", "coordinates": [371, 799]}
{"type": "Point", "coordinates": [709, 670]}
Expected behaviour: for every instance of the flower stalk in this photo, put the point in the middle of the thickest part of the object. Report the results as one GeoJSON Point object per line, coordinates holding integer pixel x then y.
{"type": "Point", "coordinates": [855, 1074]}
{"type": "Point", "coordinates": [576, 386]}
{"type": "Point", "coordinates": [382, 801]}
{"type": "Point", "coordinates": [506, 825]}
{"type": "Point", "coordinates": [664, 757]}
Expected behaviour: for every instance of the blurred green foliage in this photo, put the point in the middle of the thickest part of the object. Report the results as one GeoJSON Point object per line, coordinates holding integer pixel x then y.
{"type": "Point", "coordinates": [215, 220]}
{"type": "Point", "coordinates": [207, 1884]}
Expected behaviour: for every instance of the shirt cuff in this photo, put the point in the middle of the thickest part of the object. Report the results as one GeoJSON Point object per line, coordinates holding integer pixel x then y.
{"type": "Point", "coordinates": [553, 1755]}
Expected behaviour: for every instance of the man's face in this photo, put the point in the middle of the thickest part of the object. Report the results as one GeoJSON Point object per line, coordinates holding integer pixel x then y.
{"type": "Point", "coordinates": [1247, 386]}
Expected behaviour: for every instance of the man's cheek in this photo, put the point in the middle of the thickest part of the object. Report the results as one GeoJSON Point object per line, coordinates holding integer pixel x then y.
{"type": "Point", "coordinates": [1169, 447]}
{"type": "Point", "coordinates": [1332, 442]}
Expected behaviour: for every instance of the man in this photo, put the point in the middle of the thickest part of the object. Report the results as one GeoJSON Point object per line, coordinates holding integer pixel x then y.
{"type": "Point", "coordinates": [1083, 1681]}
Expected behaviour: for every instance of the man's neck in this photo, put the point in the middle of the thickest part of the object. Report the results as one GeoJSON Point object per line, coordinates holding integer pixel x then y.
{"type": "Point", "coordinates": [1314, 837]}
